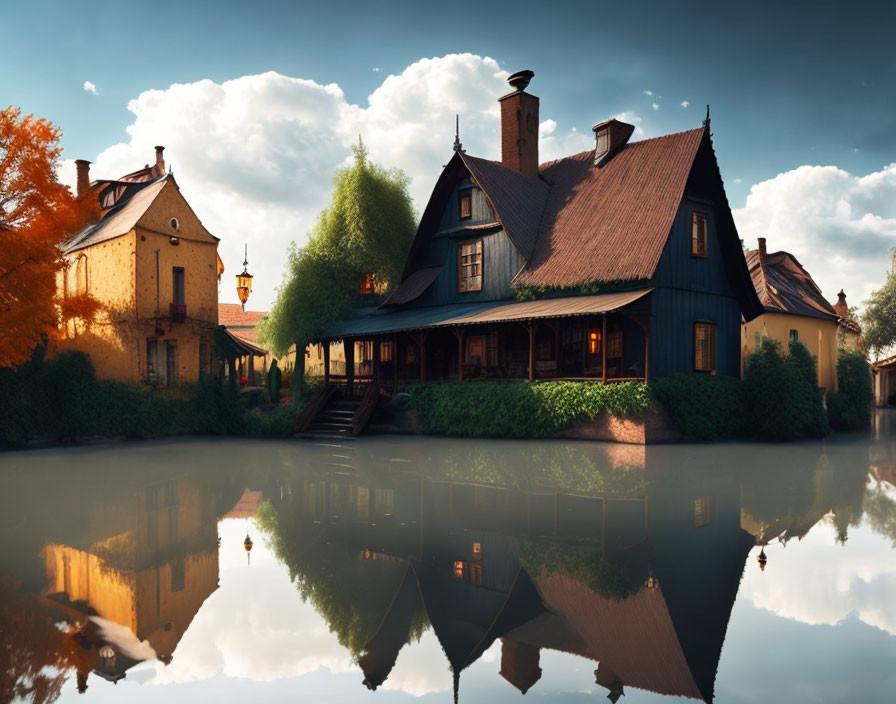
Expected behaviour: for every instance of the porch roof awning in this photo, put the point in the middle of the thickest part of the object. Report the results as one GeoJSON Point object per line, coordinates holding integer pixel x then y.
{"type": "Point", "coordinates": [383, 321]}
{"type": "Point", "coordinates": [230, 345]}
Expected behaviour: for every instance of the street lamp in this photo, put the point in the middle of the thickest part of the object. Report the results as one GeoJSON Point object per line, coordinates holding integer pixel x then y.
{"type": "Point", "coordinates": [244, 281]}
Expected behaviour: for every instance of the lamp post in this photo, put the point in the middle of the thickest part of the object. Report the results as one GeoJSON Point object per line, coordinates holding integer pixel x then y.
{"type": "Point", "coordinates": [244, 281]}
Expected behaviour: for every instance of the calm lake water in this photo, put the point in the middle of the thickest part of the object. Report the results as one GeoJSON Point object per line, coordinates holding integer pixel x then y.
{"type": "Point", "coordinates": [395, 569]}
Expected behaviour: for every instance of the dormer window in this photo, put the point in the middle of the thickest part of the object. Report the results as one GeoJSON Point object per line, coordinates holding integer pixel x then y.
{"type": "Point", "coordinates": [465, 205]}
{"type": "Point", "coordinates": [603, 143]}
{"type": "Point", "coordinates": [365, 287]}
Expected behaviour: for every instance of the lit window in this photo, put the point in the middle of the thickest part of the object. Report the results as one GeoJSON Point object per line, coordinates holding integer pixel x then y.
{"type": "Point", "coordinates": [704, 347]}
{"type": "Point", "coordinates": [794, 336]}
{"type": "Point", "coordinates": [701, 511]}
{"type": "Point", "coordinates": [698, 235]}
{"type": "Point", "coordinates": [459, 569]}
{"type": "Point", "coordinates": [594, 342]}
{"type": "Point", "coordinates": [465, 205]}
{"type": "Point", "coordinates": [365, 287]}
{"type": "Point", "coordinates": [475, 574]}
{"type": "Point", "coordinates": [469, 266]}
{"type": "Point", "coordinates": [477, 551]}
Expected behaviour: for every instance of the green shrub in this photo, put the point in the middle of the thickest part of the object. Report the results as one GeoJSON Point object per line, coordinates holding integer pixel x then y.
{"type": "Point", "coordinates": [700, 406]}
{"type": "Point", "coordinates": [515, 409]}
{"type": "Point", "coordinates": [781, 397]}
{"type": "Point", "coordinates": [850, 407]}
{"type": "Point", "coordinates": [216, 408]}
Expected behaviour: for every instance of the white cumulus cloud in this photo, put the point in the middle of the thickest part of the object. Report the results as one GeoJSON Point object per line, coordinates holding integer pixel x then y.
{"type": "Point", "coordinates": [90, 87]}
{"type": "Point", "coordinates": [255, 156]}
{"type": "Point", "coordinates": [838, 225]}
{"type": "Point", "coordinates": [655, 106]}
{"type": "Point", "coordinates": [685, 103]}
{"type": "Point", "coordinates": [647, 92]}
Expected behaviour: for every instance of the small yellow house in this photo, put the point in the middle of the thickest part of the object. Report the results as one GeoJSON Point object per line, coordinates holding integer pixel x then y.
{"type": "Point", "coordinates": [154, 267]}
{"type": "Point", "coordinates": [795, 309]}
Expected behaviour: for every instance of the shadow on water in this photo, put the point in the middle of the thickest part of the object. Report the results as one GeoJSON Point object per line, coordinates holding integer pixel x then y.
{"type": "Point", "coordinates": [630, 557]}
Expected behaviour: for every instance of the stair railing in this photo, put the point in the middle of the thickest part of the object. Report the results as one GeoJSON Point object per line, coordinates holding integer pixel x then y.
{"type": "Point", "coordinates": [368, 405]}
{"type": "Point", "coordinates": [314, 407]}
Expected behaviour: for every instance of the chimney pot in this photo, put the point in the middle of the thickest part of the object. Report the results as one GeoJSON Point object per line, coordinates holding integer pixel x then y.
{"type": "Point", "coordinates": [83, 182]}
{"type": "Point", "coordinates": [519, 126]}
{"type": "Point", "coordinates": [160, 161]}
{"type": "Point", "coordinates": [762, 250]}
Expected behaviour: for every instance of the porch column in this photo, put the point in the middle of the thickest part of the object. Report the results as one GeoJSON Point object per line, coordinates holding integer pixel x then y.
{"type": "Point", "coordinates": [603, 349]}
{"type": "Point", "coordinates": [349, 350]}
{"type": "Point", "coordinates": [251, 375]}
{"type": "Point", "coordinates": [531, 351]}
{"type": "Point", "coordinates": [460, 353]}
{"type": "Point", "coordinates": [394, 363]}
{"type": "Point", "coordinates": [326, 346]}
{"type": "Point", "coordinates": [375, 371]}
{"type": "Point", "coordinates": [647, 352]}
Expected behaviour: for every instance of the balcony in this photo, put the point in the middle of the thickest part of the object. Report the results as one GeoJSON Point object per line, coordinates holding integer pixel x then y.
{"type": "Point", "coordinates": [178, 312]}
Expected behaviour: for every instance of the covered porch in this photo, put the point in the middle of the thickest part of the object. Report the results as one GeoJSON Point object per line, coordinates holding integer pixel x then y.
{"type": "Point", "coordinates": [604, 337]}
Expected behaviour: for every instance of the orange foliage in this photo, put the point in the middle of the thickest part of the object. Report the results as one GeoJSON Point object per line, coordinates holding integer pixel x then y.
{"type": "Point", "coordinates": [36, 214]}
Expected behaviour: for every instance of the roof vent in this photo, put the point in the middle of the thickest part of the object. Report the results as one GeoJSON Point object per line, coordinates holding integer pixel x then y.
{"type": "Point", "coordinates": [610, 136]}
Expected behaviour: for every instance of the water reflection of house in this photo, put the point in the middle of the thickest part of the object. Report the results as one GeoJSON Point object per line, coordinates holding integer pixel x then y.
{"type": "Point", "coordinates": [146, 563]}
{"type": "Point", "coordinates": [641, 583]}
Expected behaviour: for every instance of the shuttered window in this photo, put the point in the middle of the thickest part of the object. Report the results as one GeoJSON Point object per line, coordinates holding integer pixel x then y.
{"type": "Point", "coordinates": [465, 205]}
{"type": "Point", "coordinates": [469, 266]}
{"type": "Point", "coordinates": [704, 347]}
{"type": "Point", "coordinates": [698, 235]}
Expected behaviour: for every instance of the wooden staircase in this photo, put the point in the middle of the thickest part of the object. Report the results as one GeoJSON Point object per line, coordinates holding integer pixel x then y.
{"type": "Point", "coordinates": [331, 415]}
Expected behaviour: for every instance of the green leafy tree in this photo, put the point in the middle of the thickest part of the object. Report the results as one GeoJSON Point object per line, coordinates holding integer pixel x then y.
{"type": "Point", "coordinates": [879, 318]}
{"type": "Point", "coordinates": [367, 229]}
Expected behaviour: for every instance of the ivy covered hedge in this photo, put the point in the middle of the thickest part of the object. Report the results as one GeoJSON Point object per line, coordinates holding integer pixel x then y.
{"type": "Point", "coordinates": [700, 406]}
{"type": "Point", "coordinates": [62, 400]}
{"type": "Point", "coordinates": [518, 409]}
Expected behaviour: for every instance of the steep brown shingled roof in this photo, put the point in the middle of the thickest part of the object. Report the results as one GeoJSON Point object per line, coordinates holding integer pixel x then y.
{"type": "Point", "coordinates": [518, 200]}
{"type": "Point", "coordinates": [413, 287]}
{"type": "Point", "coordinates": [784, 286]}
{"type": "Point", "coordinates": [611, 223]}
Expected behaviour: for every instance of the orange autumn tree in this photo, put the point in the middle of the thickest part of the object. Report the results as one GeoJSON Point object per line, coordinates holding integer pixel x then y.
{"type": "Point", "coordinates": [36, 214]}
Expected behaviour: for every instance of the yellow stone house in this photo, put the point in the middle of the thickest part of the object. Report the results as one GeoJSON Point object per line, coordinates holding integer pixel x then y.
{"type": "Point", "coordinates": [154, 267]}
{"type": "Point", "coordinates": [795, 309]}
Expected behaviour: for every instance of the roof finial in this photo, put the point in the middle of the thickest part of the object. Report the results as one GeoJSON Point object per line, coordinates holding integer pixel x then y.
{"type": "Point", "coordinates": [458, 147]}
{"type": "Point", "coordinates": [706, 121]}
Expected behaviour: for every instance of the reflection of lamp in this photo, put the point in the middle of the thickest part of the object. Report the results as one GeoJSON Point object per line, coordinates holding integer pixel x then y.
{"type": "Point", "coordinates": [107, 652]}
{"type": "Point", "coordinates": [477, 551]}
{"type": "Point", "coordinates": [762, 559]}
{"type": "Point", "coordinates": [247, 546]}
{"type": "Point", "coordinates": [244, 281]}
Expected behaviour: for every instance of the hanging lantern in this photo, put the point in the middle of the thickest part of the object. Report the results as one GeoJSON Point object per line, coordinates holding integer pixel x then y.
{"type": "Point", "coordinates": [762, 559]}
{"type": "Point", "coordinates": [244, 281]}
{"type": "Point", "coordinates": [247, 546]}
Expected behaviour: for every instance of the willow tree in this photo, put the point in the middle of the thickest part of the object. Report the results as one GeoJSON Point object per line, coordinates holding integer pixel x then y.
{"type": "Point", "coordinates": [367, 229]}
{"type": "Point", "coordinates": [879, 318]}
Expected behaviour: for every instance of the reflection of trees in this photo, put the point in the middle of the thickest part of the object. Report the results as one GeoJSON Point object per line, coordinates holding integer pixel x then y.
{"type": "Point", "coordinates": [880, 510]}
{"type": "Point", "coordinates": [350, 593]}
{"type": "Point", "coordinates": [32, 667]}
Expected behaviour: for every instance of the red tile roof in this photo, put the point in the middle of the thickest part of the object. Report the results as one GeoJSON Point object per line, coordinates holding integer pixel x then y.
{"type": "Point", "coordinates": [232, 315]}
{"type": "Point", "coordinates": [611, 223]}
{"type": "Point", "coordinates": [784, 286]}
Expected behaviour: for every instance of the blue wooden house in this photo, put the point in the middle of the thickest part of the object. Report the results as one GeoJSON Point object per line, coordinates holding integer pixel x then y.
{"type": "Point", "coordinates": [621, 262]}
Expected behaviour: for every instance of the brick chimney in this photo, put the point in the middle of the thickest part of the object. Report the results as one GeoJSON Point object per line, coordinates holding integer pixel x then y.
{"type": "Point", "coordinates": [83, 185]}
{"type": "Point", "coordinates": [610, 136]}
{"type": "Point", "coordinates": [520, 664]}
{"type": "Point", "coordinates": [762, 251]}
{"type": "Point", "coordinates": [160, 162]}
{"type": "Point", "coordinates": [519, 126]}
{"type": "Point", "coordinates": [841, 307]}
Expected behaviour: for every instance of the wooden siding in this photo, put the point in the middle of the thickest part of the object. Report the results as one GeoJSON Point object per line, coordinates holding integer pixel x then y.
{"type": "Point", "coordinates": [500, 259]}
{"type": "Point", "coordinates": [500, 263]}
{"type": "Point", "coordinates": [679, 268]}
{"type": "Point", "coordinates": [674, 312]}
{"type": "Point", "coordinates": [481, 211]}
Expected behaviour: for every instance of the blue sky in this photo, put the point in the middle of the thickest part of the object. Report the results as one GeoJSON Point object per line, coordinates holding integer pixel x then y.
{"type": "Point", "coordinates": [791, 85]}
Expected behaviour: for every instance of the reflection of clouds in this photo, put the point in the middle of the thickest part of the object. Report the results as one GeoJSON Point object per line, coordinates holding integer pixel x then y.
{"type": "Point", "coordinates": [817, 581]}
{"type": "Point", "coordinates": [255, 625]}
{"type": "Point", "coordinates": [421, 668]}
